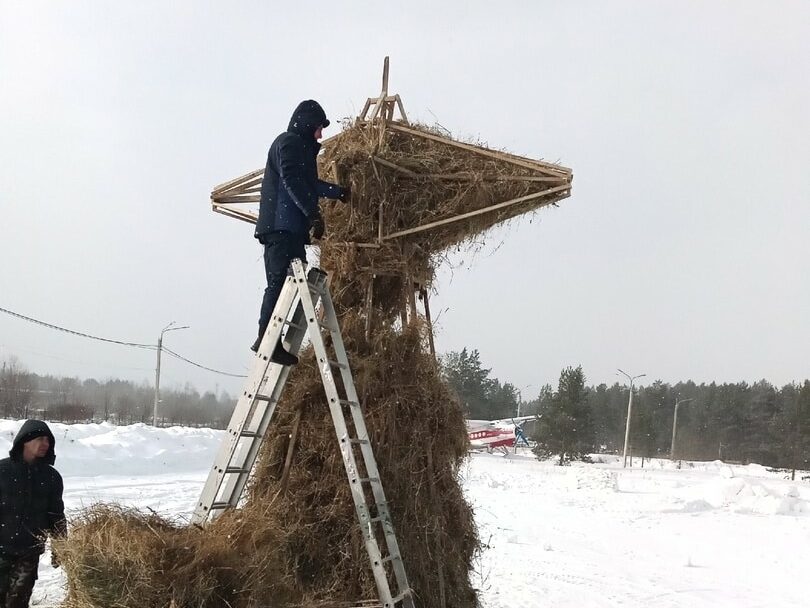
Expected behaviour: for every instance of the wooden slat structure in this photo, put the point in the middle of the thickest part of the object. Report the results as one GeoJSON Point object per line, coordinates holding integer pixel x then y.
{"type": "Point", "coordinates": [234, 198]}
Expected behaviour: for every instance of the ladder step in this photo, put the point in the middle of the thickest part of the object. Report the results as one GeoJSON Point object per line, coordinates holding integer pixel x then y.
{"type": "Point", "coordinates": [402, 596]}
{"type": "Point", "coordinates": [369, 480]}
{"type": "Point", "coordinates": [328, 327]}
{"type": "Point", "coordinates": [236, 470]}
{"type": "Point", "coordinates": [338, 364]}
{"type": "Point", "coordinates": [348, 402]}
{"type": "Point", "coordinates": [295, 325]}
{"type": "Point", "coordinates": [360, 441]}
{"type": "Point", "coordinates": [391, 558]}
{"type": "Point", "coordinates": [267, 398]}
{"type": "Point", "coordinates": [249, 434]}
{"type": "Point", "coordinates": [220, 505]}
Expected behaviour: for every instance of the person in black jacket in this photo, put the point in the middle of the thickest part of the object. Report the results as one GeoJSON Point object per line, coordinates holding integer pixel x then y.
{"type": "Point", "coordinates": [31, 508]}
{"type": "Point", "coordinates": [288, 207]}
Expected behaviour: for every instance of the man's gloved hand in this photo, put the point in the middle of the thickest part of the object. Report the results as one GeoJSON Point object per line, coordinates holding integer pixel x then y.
{"type": "Point", "coordinates": [318, 227]}
{"type": "Point", "coordinates": [345, 193]}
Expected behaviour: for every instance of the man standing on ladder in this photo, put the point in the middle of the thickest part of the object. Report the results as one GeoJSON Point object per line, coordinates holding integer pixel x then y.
{"type": "Point", "coordinates": [289, 207]}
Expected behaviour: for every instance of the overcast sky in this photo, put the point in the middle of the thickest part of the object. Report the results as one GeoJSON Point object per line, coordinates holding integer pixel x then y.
{"type": "Point", "coordinates": [682, 253]}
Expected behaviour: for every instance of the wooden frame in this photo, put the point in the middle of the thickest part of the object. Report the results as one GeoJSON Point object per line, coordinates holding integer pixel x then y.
{"type": "Point", "coordinates": [378, 112]}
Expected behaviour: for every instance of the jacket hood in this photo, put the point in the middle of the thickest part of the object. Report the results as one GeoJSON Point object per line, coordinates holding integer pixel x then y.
{"type": "Point", "coordinates": [29, 430]}
{"type": "Point", "coordinates": [308, 116]}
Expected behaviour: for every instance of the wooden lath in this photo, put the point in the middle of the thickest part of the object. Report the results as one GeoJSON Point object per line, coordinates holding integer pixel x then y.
{"type": "Point", "coordinates": [561, 192]}
{"type": "Point", "coordinates": [382, 108]}
{"type": "Point", "coordinates": [520, 161]}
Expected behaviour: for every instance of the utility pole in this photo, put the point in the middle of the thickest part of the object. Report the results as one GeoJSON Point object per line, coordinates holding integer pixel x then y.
{"type": "Point", "coordinates": [675, 426]}
{"type": "Point", "coordinates": [157, 369]}
{"type": "Point", "coordinates": [520, 397]}
{"type": "Point", "coordinates": [629, 413]}
{"type": "Point", "coordinates": [797, 434]}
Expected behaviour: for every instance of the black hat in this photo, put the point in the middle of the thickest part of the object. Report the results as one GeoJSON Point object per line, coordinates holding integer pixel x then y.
{"type": "Point", "coordinates": [307, 117]}
{"type": "Point", "coordinates": [33, 435]}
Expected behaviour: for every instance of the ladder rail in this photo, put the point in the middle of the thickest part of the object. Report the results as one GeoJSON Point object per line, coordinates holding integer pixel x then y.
{"type": "Point", "coordinates": [240, 418]}
{"type": "Point", "coordinates": [252, 414]}
{"type": "Point", "coordinates": [349, 460]}
{"type": "Point", "coordinates": [295, 336]}
{"type": "Point", "coordinates": [369, 460]}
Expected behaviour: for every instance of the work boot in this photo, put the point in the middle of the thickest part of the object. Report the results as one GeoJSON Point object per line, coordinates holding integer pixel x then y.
{"type": "Point", "coordinates": [282, 357]}
{"type": "Point", "coordinates": [258, 342]}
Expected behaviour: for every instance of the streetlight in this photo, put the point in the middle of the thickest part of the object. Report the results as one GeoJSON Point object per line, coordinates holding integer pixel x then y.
{"type": "Point", "coordinates": [157, 369]}
{"type": "Point", "coordinates": [675, 426]}
{"type": "Point", "coordinates": [629, 412]}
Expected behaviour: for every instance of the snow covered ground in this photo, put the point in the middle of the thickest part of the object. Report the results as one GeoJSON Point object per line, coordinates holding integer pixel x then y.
{"type": "Point", "coordinates": [706, 535]}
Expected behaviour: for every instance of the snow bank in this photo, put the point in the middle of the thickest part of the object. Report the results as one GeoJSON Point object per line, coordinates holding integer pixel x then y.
{"type": "Point", "coordinates": [89, 450]}
{"type": "Point", "coordinates": [744, 496]}
{"type": "Point", "coordinates": [555, 536]}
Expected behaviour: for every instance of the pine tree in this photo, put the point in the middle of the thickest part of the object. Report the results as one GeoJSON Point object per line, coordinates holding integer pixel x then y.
{"type": "Point", "coordinates": [471, 381]}
{"type": "Point", "coordinates": [565, 427]}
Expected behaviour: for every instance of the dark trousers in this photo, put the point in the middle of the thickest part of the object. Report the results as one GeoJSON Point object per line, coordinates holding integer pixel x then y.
{"type": "Point", "coordinates": [17, 578]}
{"type": "Point", "coordinates": [279, 249]}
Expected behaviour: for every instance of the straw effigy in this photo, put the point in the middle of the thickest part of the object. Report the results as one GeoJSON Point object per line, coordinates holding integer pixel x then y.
{"type": "Point", "coordinates": [294, 542]}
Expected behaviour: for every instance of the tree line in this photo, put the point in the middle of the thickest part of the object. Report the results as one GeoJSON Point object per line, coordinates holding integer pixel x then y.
{"type": "Point", "coordinates": [24, 394]}
{"type": "Point", "coordinates": [738, 422]}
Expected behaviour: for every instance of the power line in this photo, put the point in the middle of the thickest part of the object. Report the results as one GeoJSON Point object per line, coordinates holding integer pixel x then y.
{"type": "Point", "coordinates": [111, 341]}
{"type": "Point", "coordinates": [216, 371]}
{"type": "Point", "coordinates": [76, 333]}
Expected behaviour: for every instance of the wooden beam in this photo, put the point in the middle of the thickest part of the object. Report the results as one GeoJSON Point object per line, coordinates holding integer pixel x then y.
{"type": "Point", "coordinates": [464, 216]}
{"type": "Point", "coordinates": [423, 292]}
{"type": "Point", "coordinates": [226, 185]}
{"type": "Point", "coordinates": [494, 177]}
{"type": "Point", "coordinates": [285, 475]}
{"type": "Point", "coordinates": [385, 79]}
{"type": "Point", "coordinates": [243, 186]}
{"type": "Point", "coordinates": [380, 224]}
{"type": "Point", "coordinates": [243, 216]}
{"type": "Point", "coordinates": [401, 108]}
{"type": "Point", "coordinates": [369, 304]}
{"type": "Point", "coordinates": [537, 165]}
{"type": "Point", "coordinates": [244, 198]}
{"type": "Point", "coordinates": [411, 299]}
{"type": "Point", "coordinates": [365, 109]}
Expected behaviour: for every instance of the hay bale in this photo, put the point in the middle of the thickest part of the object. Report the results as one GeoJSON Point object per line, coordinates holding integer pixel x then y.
{"type": "Point", "coordinates": [116, 557]}
{"type": "Point", "coordinates": [299, 544]}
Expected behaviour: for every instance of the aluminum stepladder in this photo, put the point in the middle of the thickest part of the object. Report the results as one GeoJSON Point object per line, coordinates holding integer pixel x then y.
{"type": "Point", "coordinates": [296, 309]}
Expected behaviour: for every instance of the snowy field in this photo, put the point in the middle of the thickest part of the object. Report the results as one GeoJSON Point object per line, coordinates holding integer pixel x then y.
{"type": "Point", "coordinates": [706, 535]}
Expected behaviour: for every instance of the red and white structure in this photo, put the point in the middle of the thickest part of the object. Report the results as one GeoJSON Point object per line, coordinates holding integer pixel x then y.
{"type": "Point", "coordinates": [491, 434]}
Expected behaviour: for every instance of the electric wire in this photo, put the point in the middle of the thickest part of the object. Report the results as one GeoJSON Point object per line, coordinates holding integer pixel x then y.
{"type": "Point", "coordinates": [210, 369]}
{"type": "Point", "coordinates": [76, 333]}
{"type": "Point", "coordinates": [121, 342]}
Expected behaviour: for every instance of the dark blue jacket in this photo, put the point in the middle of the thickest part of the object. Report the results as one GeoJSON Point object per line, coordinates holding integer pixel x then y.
{"type": "Point", "coordinates": [30, 496]}
{"type": "Point", "coordinates": [290, 187]}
